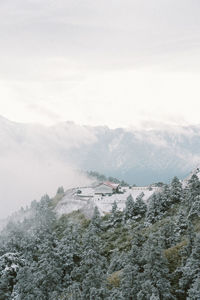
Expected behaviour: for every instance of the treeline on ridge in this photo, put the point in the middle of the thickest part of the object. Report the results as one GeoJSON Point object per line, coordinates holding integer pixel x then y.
{"type": "Point", "coordinates": [148, 251]}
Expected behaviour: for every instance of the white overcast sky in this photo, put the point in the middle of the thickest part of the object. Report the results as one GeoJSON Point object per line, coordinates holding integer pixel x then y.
{"type": "Point", "coordinates": [100, 62]}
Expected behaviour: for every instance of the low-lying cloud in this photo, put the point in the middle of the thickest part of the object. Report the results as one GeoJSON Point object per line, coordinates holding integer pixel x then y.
{"type": "Point", "coordinates": [32, 162]}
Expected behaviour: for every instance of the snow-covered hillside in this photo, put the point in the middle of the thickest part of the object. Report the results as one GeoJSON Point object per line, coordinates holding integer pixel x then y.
{"type": "Point", "coordinates": [87, 199]}
{"type": "Point", "coordinates": [195, 171]}
{"type": "Point", "coordinates": [35, 159]}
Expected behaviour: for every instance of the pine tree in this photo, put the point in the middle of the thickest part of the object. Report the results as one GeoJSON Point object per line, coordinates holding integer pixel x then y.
{"type": "Point", "coordinates": [96, 220]}
{"type": "Point", "coordinates": [194, 186]}
{"type": "Point", "coordinates": [9, 267]}
{"type": "Point", "coordinates": [154, 209]}
{"type": "Point", "coordinates": [176, 190]}
{"type": "Point", "coordinates": [115, 294]}
{"type": "Point", "coordinates": [194, 212]}
{"type": "Point", "coordinates": [60, 190]}
{"type": "Point", "coordinates": [129, 208]}
{"type": "Point", "coordinates": [92, 269]}
{"type": "Point", "coordinates": [73, 292]}
{"type": "Point", "coordinates": [194, 291]}
{"type": "Point", "coordinates": [147, 291]}
{"type": "Point", "coordinates": [140, 206]}
{"type": "Point", "coordinates": [169, 235]}
{"type": "Point", "coordinates": [182, 222]}
{"type": "Point", "coordinates": [132, 273]}
{"type": "Point", "coordinates": [191, 270]}
{"type": "Point", "coordinates": [115, 217]}
{"type": "Point", "coordinates": [156, 269]}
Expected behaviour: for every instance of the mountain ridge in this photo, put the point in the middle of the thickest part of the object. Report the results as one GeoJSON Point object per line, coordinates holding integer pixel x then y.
{"type": "Point", "coordinates": [143, 155]}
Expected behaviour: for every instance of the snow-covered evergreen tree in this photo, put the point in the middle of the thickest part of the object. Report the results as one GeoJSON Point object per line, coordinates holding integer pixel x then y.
{"type": "Point", "coordinates": [191, 270]}
{"type": "Point", "coordinates": [176, 190]}
{"type": "Point", "coordinates": [156, 270]}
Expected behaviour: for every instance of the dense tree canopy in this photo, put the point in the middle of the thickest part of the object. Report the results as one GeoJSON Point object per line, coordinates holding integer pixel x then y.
{"type": "Point", "coordinates": [149, 251]}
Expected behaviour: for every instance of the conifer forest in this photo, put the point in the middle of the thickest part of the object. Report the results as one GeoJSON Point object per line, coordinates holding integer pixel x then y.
{"type": "Point", "coordinates": [148, 251]}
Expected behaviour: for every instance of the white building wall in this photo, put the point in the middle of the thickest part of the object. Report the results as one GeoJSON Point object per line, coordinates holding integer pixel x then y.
{"type": "Point", "coordinates": [103, 189]}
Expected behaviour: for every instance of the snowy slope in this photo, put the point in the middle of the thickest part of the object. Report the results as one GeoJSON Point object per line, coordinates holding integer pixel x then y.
{"type": "Point", "coordinates": [195, 171]}
{"type": "Point", "coordinates": [87, 200]}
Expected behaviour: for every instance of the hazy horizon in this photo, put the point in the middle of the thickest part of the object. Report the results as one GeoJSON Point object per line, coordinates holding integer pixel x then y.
{"type": "Point", "coordinates": [116, 63]}
{"type": "Point", "coordinates": [142, 125]}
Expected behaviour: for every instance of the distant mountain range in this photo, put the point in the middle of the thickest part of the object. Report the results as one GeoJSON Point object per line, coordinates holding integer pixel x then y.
{"type": "Point", "coordinates": [35, 158]}
{"type": "Point", "coordinates": [137, 156]}
{"type": "Point", "coordinates": [140, 157]}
